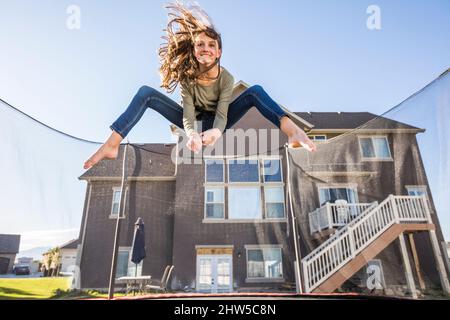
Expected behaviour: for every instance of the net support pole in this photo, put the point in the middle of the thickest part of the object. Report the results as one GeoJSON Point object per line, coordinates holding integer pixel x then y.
{"type": "Point", "coordinates": [112, 276]}
{"type": "Point", "coordinates": [298, 284]}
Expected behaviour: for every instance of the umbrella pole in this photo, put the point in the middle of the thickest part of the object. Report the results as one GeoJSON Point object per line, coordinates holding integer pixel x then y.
{"type": "Point", "coordinates": [112, 275]}
{"type": "Point", "coordinates": [135, 275]}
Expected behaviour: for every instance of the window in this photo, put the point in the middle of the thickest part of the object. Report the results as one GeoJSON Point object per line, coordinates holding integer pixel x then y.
{"type": "Point", "coordinates": [420, 191]}
{"type": "Point", "coordinates": [274, 198]}
{"type": "Point", "coordinates": [244, 203]}
{"type": "Point", "coordinates": [273, 192]}
{"type": "Point", "coordinates": [214, 170]}
{"type": "Point", "coordinates": [264, 263]}
{"type": "Point", "coordinates": [240, 185]}
{"type": "Point", "coordinates": [375, 147]}
{"type": "Point", "coordinates": [126, 268]}
{"type": "Point", "coordinates": [214, 203]}
{"type": "Point", "coordinates": [417, 190]}
{"type": "Point", "coordinates": [333, 194]}
{"type": "Point", "coordinates": [116, 202]}
{"type": "Point", "coordinates": [243, 171]}
{"type": "Point", "coordinates": [272, 170]}
{"type": "Point", "coordinates": [318, 137]}
{"type": "Point", "coordinates": [205, 273]}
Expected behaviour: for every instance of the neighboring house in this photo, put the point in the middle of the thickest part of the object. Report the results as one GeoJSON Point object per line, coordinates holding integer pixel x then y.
{"type": "Point", "coordinates": [9, 247]}
{"type": "Point", "coordinates": [24, 260]}
{"type": "Point", "coordinates": [227, 226]}
{"type": "Point", "coordinates": [69, 252]}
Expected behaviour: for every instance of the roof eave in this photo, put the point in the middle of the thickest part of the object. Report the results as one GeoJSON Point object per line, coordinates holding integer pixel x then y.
{"type": "Point", "coordinates": [133, 178]}
{"type": "Point", "coordinates": [366, 130]}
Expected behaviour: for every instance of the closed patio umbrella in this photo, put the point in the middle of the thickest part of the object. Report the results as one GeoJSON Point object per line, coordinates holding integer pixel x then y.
{"type": "Point", "coordinates": [138, 251]}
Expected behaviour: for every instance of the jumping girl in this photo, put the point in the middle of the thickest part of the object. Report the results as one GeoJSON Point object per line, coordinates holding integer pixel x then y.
{"type": "Point", "coordinates": [191, 58]}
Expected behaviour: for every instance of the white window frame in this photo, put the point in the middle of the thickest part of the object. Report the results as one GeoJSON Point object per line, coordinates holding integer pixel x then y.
{"type": "Point", "coordinates": [262, 159]}
{"type": "Point", "coordinates": [244, 182]}
{"type": "Point", "coordinates": [261, 217]}
{"type": "Point", "coordinates": [376, 158]}
{"type": "Point", "coordinates": [114, 215]}
{"type": "Point", "coordinates": [314, 137]}
{"type": "Point", "coordinates": [223, 169]}
{"type": "Point", "coordinates": [423, 188]}
{"type": "Point", "coordinates": [273, 184]}
{"type": "Point", "coordinates": [265, 203]}
{"type": "Point", "coordinates": [205, 217]}
{"type": "Point", "coordinates": [352, 186]}
{"type": "Point", "coordinates": [140, 266]}
{"type": "Point", "coordinates": [263, 279]}
{"type": "Point", "coordinates": [417, 187]}
{"type": "Point", "coordinates": [261, 184]}
{"type": "Point", "coordinates": [214, 272]}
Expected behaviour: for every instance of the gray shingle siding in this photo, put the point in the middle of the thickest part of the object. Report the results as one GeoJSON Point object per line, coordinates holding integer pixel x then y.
{"type": "Point", "coordinates": [350, 120]}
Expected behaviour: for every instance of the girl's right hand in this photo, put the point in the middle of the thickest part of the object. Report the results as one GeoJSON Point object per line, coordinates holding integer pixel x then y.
{"type": "Point", "coordinates": [194, 142]}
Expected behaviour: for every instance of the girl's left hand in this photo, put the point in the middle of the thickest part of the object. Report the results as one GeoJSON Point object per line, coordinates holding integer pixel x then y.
{"type": "Point", "coordinates": [209, 137]}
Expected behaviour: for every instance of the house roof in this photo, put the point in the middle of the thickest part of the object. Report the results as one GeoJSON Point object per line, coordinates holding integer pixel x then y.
{"type": "Point", "coordinates": [297, 120]}
{"type": "Point", "coordinates": [351, 120]}
{"type": "Point", "coordinates": [72, 244]}
{"type": "Point", "coordinates": [339, 120]}
{"type": "Point", "coordinates": [9, 243]}
{"type": "Point", "coordinates": [143, 160]}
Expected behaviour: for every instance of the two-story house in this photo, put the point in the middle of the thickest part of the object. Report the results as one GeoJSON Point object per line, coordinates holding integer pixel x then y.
{"type": "Point", "coordinates": [356, 215]}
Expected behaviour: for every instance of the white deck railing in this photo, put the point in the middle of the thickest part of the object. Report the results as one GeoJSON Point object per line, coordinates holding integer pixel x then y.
{"type": "Point", "coordinates": [347, 242]}
{"type": "Point", "coordinates": [332, 215]}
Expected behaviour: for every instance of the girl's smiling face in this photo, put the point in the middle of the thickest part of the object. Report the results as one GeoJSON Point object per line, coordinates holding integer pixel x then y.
{"type": "Point", "coordinates": [206, 49]}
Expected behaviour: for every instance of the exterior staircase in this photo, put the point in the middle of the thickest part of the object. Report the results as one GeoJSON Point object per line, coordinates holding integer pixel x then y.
{"type": "Point", "coordinates": [350, 248]}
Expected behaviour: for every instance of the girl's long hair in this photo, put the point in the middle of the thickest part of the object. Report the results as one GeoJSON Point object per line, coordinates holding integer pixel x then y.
{"type": "Point", "coordinates": [178, 63]}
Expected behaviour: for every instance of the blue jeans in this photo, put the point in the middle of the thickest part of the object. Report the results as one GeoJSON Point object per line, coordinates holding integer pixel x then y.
{"type": "Point", "coordinates": [148, 97]}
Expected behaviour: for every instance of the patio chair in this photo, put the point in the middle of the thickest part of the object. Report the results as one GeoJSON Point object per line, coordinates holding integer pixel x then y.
{"type": "Point", "coordinates": [159, 281]}
{"type": "Point", "coordinates": [161, 285]}
{"type": "Point", "coordinates": [342, 212]}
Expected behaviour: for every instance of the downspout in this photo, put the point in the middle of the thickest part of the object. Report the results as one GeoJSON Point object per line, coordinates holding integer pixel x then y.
{"type": "Point", "coordinates": [176, 156]}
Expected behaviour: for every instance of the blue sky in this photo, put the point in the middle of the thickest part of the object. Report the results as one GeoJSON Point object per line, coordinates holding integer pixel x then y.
{"type": "Point", "coordinates": [309, 55]}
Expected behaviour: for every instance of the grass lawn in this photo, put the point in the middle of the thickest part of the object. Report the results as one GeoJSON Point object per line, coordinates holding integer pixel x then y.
{"type": "Point", "coordinates": [32, 288]}
{"type": "Point", "coordinates": [44, 288]}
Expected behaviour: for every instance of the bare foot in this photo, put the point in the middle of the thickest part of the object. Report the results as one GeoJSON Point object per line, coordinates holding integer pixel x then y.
{"type": "Point", "coordinates": [106, 151]}
{"type": "Point", "coordinates": [296, 136]}
{"type": "Point", "coordinates": [300, 139]}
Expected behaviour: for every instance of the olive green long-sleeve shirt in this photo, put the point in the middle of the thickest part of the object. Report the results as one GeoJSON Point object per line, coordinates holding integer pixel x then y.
{"type": "Point", "coordinates": [211, 98]}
